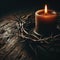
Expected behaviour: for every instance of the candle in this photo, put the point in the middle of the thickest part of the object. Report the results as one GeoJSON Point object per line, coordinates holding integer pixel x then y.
{"type": "Point", "coordinates": [44, 20]}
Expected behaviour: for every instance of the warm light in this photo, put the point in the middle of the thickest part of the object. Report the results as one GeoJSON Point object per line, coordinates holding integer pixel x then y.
{"type": "Point", "coordinates": [46, 9]}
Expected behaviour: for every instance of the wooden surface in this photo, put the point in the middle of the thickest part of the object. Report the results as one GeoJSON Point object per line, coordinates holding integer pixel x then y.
{"type": "Point", "coordinates": [11, 47]}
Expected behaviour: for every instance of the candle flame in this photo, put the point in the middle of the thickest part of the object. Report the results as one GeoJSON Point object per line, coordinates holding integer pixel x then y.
{"type": "Point", "coordinates": [46, 9]}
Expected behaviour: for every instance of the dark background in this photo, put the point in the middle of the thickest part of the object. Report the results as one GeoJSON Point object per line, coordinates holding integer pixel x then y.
{"type": "Point", "coordinates": [15, 5]}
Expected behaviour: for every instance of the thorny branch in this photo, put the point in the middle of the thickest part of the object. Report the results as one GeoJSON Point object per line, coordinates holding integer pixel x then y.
{"type": "Point", "coordinates": [21, 21]}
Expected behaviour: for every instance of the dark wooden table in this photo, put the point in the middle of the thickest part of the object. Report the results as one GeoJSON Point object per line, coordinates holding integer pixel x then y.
{"type": "Point", "coordinates": [14, 48]}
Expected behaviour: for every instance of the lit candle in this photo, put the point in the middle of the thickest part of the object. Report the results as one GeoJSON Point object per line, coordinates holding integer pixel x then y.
{"type": "Point", "coordinates": [44, 20]}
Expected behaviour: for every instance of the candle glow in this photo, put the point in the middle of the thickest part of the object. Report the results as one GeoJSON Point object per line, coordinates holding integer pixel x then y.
{"type": "Point", "coordinates": [45, 15]}
{"type": "Point", "coordinates": [46, 11]}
